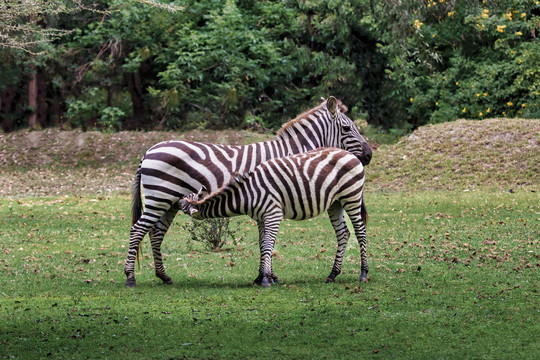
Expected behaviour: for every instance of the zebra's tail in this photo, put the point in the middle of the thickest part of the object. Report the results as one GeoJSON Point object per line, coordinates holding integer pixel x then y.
{"type": "Point", "coordinates": [363, 212]}
{"type": "Point", "coordinates": [136, 207]}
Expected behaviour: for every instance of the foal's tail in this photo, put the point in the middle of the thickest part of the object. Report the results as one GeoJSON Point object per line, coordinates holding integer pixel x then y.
{"type": "Point", "coordinates": [363, 212]}
{"type": "Point", "coordinates": [136, 207]}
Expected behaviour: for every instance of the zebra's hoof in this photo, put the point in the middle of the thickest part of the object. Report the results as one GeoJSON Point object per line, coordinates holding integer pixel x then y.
{"type": "Point", "coordinates": [131, 283]}
{"type": "Point", "coordinates": [272, 280]}
{"type": "Point", "coordinates": [363, 275]}
{"type": "Point", "coordinates": [165, 278]}
{"type": "Point", "coordinates": [265, 283]}
{"type": "Point", "coordinates": [330, 280]}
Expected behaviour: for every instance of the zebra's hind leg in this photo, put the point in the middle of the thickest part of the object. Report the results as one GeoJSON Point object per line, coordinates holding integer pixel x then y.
{"type": "Point", "coordinates": [156, 238]}
{"type": "Point", "coordinates": [135, 237]}
{"type": "Point", "coordinates": [136, 234]}
{"type": "Point", "coordinates": [337, 218]}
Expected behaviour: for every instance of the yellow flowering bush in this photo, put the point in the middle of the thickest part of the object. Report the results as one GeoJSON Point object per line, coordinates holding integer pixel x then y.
{"type": "Point", "coordinates": [470, 61]}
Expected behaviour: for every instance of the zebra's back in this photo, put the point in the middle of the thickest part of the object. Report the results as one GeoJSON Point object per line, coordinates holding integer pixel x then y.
{"type": "Point", "coordinates": [309, 183]}
{"type": "Point", "coordinates": [172, 169]}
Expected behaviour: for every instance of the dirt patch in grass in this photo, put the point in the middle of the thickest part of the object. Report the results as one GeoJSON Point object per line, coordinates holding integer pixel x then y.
{"type": "Point", "coordinates": [503, 153]}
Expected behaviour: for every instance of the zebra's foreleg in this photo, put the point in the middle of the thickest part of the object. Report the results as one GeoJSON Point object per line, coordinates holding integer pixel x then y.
{"type": "Point", "coordinates": [337, 218]}
{"type": "Point", "coordinates": [259, 278]}
{"type": "Point", "coordinates": [156, 238]}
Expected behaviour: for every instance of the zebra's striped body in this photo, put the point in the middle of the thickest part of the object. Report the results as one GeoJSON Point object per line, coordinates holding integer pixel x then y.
{"type": "Point", "coordinates": [298, 187]}
{"type": "Point", "coordinates": [170, 170]}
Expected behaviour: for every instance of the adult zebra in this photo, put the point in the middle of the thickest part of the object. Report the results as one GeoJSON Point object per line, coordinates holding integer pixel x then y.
{"type": "Point", "coordinates": [297, 187]}
{"type": "Point", "coordinates": [172, 169]}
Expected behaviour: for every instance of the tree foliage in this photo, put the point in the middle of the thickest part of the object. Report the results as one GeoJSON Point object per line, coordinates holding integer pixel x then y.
{"type": "Point", "coordinates": [142, 64]}
{"type": "Point", "coordinates": [465, 59]}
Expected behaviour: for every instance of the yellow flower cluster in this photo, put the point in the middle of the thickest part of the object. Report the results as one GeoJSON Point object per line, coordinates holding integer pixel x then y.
{"type": "Point", "coordinates": [418, 24]}
{"type": "Point", "coordinates": [435, 2]}
{"type": "Point", "coordinates": [508, 16]}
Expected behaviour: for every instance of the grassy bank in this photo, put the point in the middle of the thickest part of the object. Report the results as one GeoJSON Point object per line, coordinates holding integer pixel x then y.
{"type": "Point", "coordinates": [452, 274]}
{"type": "Point", "coordinates": [461, 155]}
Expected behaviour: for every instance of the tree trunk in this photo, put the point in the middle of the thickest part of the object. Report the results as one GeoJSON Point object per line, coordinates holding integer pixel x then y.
{"type": "Point", "coordinates": [33, 97]}
{"type": "Point", "coordinates": [133, 82]}
{"type": "Point", "coordinates": [37, 88]}
{"type": "Point", "coordinates": [7, 108]}
{"type": "Point", "coordinates": [42, 113]}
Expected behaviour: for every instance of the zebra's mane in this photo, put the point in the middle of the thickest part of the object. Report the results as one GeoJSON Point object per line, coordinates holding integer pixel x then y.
{"type": "Point", "coordinates": [288, 127]}
{"type": "Point", "coordinates": [236, 178]}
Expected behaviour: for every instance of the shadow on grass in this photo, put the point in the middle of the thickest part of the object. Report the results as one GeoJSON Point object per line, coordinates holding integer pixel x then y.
{"type": "Point", "coordinates": [244, 283]}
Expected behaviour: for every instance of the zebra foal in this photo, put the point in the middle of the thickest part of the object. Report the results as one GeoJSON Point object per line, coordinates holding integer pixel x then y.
{"type": "Point", "coordinates": [172, 169]}
{"type": "Point", "coordinates": [298, 187]}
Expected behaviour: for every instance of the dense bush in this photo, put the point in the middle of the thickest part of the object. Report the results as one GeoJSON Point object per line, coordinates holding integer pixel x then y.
{"type": "Point", "coordinates": [143, 64]}
{"type": "Point", "coordinates": [463, 59]}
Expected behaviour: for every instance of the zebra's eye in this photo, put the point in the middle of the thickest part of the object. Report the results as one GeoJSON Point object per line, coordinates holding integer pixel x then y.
{"type": "Point", "coordinates": [346, 128]}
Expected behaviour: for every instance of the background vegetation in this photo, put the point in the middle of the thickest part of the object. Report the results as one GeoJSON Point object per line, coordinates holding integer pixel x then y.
{"type": "Point", "coordinates": [142, 64]}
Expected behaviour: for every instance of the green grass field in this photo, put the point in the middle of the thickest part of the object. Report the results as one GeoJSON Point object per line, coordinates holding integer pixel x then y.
{"type": "Point", "coordinates": [453, 274]}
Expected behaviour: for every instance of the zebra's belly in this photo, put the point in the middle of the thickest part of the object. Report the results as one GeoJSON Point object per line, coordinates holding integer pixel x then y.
{"type": "Point", "coordinates": [302, 214]}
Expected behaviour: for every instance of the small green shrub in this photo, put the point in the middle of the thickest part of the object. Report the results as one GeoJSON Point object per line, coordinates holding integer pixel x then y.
{"type": "Point", "coordinates": [214, 234]}
{"type": "Point", "coordinates": [110, 119]}
{"type": "Point", "coordinates": [79, 112]}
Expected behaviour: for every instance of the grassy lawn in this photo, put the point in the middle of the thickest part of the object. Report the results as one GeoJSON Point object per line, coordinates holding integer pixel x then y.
{"type": "Point", "coordinates": [453, 274]}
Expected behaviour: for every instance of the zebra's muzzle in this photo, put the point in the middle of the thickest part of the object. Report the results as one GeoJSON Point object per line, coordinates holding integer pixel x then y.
{"type": "Point", "coordinates": [189, 209]}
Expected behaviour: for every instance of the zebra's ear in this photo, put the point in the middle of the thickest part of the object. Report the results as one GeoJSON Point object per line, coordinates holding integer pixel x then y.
{"type": "Point", "coordinates": [331, 105]}
{"type": "Point", "coordinates": [202, 193]}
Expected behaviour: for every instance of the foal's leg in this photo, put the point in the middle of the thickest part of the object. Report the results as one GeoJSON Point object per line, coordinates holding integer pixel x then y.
{"type": "Point", "coordinates": [156, 238]}
{"type": "Point", "coordinates": [259, 278]}
{"type": "Point", "coordinates": [358, 223]}
{"type": "Point", "coordinates": [337, 218]}
{"type": "Point", "coordinates": [271, 226]}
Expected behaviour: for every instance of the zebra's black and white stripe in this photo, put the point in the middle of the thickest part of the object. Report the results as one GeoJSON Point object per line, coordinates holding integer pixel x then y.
{"type": "Point", "coordinates": [297, 187]}
{"type": "Point", "coordinates": [172, 169]}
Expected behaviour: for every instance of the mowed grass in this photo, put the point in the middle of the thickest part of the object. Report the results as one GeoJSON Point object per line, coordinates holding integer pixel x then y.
{"type": "Point", "coordinates": [452, 275]}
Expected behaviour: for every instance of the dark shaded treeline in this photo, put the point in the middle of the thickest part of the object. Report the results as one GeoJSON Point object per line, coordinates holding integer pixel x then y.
{"type": "Point", "coordinates": [233, 64]}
